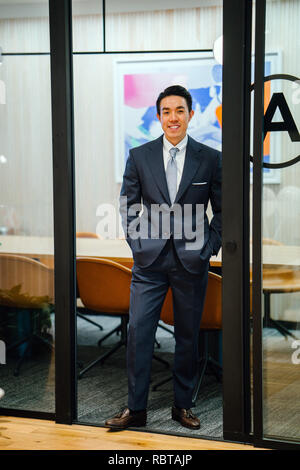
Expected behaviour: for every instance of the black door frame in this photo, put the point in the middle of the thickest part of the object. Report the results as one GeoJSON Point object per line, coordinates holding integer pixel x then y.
{"type": "Point", "coordinates": [237, 23]}
{"type": "Point", "coordinates": [60, 17]}
{"type": "Point", "coordinates": [258, 132]}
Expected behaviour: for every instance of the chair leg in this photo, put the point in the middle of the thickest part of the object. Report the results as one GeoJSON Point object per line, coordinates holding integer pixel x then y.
{"type": "Point", "coordinates": [123, 329]}
{"type": "Point", "coordinates": [162, 382]}
{"type": "Point", "coordinates": [115, 330]}
{"type": "Point", "coordinates": [202, 367]}
{"type": "Point", "coordinates": [165, 328]}
{"type": "Point", "coordinates": [202, 370]}
{"type": "Point", "coordinates": [123, 342]}
{"type": "Point", "coordinates": [207, 361]}
{"type": "Point", "coordinates": [44, 341]}
{"type": "Point", "coordinates": [268, 321]}
{"type": "Point", "coordinates": [89, 320]}
{"type": "Point", "coordinates": [162, 361]}
{"type": "Point", "coordinates": [100, 359]}
{"type": "Point", "coordinates": [282, 329]}
{"type": "Point", "coordinates": [267, 299]}
{"type": "Point", "coordinates": [216, 368]}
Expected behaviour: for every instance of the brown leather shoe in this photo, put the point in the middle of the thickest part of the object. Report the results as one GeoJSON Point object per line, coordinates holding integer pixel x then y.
{"type": "Point", "coordinates": [185, 417]}
{"type": "Point", "coordinates": [125, 418]}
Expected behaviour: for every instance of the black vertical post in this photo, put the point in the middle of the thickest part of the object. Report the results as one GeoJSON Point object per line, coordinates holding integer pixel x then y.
{"type": "Point", "coordinates": [103, 24]}
{"type": "Point", "coordinates": [237, 20]}
{"type": "Point", "coordinates": [257, 217]}
{"type": "Point", "coordinates": [64, 210]}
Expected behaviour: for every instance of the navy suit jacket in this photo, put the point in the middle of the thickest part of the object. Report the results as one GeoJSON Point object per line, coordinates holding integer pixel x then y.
{"type": "Point", "coordinates": [145, 183]}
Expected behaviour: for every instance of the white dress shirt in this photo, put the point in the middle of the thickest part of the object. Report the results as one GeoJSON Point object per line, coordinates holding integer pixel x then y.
{"type": "Point", "coordinates": [180, 156]}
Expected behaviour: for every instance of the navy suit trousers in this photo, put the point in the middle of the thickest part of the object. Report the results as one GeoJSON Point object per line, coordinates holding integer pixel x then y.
{"type": "Point", "coordinates": [148, 290]}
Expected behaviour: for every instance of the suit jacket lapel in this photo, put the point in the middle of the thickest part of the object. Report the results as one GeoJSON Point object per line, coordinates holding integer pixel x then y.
{"type": "Point", "coordinates": [191, 164]}
{"type": "Point", "coordinates": [155, 161]}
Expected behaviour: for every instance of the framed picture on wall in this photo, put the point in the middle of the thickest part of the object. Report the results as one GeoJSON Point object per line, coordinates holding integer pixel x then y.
{"type": "Point", "coordinates": [138, 83]}
{"type": "Point", "coordinates": [137, 86]}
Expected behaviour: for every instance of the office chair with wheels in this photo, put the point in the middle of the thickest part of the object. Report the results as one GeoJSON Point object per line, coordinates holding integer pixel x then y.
{"type": "Point", "coordinates": [104, 287]}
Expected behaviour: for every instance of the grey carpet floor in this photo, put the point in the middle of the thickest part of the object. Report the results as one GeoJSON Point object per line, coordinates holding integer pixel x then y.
{"type": "Point", "coordinates": [102, 391]}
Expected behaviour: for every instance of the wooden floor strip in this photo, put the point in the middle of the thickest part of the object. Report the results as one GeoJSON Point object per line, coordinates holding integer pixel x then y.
{"type": "Point", "coordinates": [34, 434]}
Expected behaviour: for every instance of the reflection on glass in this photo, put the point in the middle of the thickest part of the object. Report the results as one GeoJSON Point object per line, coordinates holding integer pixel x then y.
{"type": "Point", "coordinates": [281, 231]}
{"type": "Point", "coordinates": [26, 226]}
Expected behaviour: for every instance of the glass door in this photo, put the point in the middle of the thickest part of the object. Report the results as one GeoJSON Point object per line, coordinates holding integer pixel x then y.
{"type": "Point", "coordinates": [27, 300]}
{"type": "Point", "coordinates": [276, 223]}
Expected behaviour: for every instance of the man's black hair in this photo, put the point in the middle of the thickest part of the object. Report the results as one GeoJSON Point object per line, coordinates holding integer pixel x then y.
{"type": "Point", "coordinates": [175, 90]}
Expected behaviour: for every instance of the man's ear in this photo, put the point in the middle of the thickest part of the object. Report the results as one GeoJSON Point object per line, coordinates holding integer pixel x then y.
{"type": "Point", "coordinates": [158, 116]}
{"type": "Point", "coordinates": [192, 112]}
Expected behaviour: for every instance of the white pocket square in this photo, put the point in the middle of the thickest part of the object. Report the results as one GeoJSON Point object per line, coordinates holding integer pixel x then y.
{"type": "Point", "coordinates": [198, 184]}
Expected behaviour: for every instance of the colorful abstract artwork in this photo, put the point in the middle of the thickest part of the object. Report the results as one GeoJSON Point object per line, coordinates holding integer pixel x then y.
{"type": "Point", "coordinates": [139, 84]}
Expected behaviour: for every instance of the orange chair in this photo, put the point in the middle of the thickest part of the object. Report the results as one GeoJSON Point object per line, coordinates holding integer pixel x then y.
{"type": "Point", "coordinates": [26, 284]}
{"type": "Point", "coordinates": [211, 322]}
{"type": "Point", "coordinates": [80, 312]}
{"type": "Point", "coordinates": [104, 287]}
{"type": "Point", "coordinates": [86, 235]}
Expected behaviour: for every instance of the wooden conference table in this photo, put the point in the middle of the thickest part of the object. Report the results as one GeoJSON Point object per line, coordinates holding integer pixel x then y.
{"type": "Point", "coordinates": [118, 250]}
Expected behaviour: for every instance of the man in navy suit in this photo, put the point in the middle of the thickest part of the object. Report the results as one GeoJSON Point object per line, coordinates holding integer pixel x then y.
{"type": "Point", "coordinates": [169, 179]}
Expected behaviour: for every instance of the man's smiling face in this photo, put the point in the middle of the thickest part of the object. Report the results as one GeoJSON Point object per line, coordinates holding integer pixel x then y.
{"type": "Point", "coordinates": [174, 118]}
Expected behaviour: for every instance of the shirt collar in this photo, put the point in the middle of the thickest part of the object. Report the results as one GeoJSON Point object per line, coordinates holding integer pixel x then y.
{"type": "Point", "coordinates": [181, 145]}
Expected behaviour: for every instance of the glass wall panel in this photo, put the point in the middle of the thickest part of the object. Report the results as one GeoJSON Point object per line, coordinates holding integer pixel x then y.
{"type": "Point", "coordinates": [24, 26]}
{"type": "Point", "coordinates": [281, 223]}
{"type": "Point", "coordinates": [108, 122]}
{"type": "Point", "coordinates": [26, 227]}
